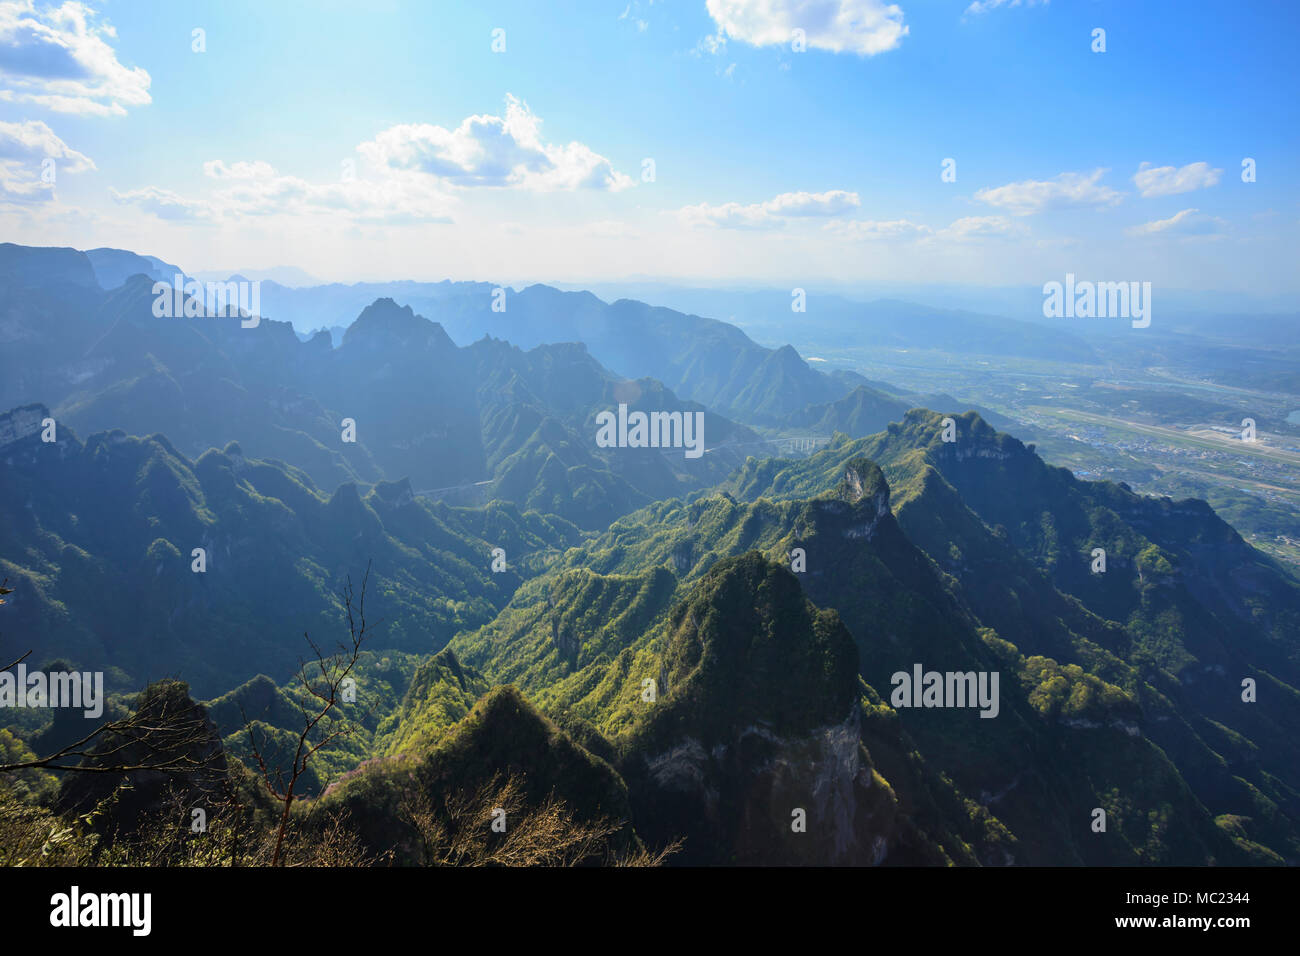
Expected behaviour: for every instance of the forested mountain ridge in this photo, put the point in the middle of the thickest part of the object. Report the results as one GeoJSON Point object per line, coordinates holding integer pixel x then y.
{"type": "Point", "coordinates": [713, 653]}
{"type": "Point", "coordinates": [577, 637]}
{"type": "Point", "coordinates": [98, 537]}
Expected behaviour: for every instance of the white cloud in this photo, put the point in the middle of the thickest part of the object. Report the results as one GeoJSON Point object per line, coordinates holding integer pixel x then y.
{"type": "Point", "coordinates": [830, 203]}
{"type": "Point", "coordinates": [24, 149]}
{"type": "Point", "coordinates": [970, 228]}
{"type": "Point", "coordinates": [1066, 191]}
{"type": "Point", "coordinates": [771, 214]}
{"type": "Point", "coordinates": [713, 45]}
{"type": "Point", "coordinates": [216, 169]}
{"type": "Point", "coordinates": [865, 27]}
{"type": "Point", "coordinates": [59, 58]}
{"type": "Point", "coordinates": [166, 204]}
{"type": "Point", "coordinates": [1188, 223]}
{"type": "Point", "coordinates": [256, 189]}
{"type": "Point", "coordinates": [415, 172]}
{"type": "Point", "coordinates": [1170, 180]}
{"type": "Point", "coordinates": [632, 11]}
{"type": "Point", "coordinates": [493, 151]}
{"type": "Point", "coordinates": [730, 215]}
{"type": "Point", "coordinates": [870, 229]}
{"type": "Point", "coordinates": [984, 6]}
{"type": "Point", "coordinates": [967, 229]}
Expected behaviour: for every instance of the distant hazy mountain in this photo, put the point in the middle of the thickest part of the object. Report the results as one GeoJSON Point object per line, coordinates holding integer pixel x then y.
{"type": "Point", "coordinates": [834, 319]}
{"type": "Point", "coordinates": [31, 267]}
{"type": "Point", "coordinates": [1023, 303]}
{"type": "Point", "coordinates": [335, 332]}
{"type": "Point", "coordinates": [332, 304]}
{"type": "Point", "coordinates": [484, 419]}
{"type": "Point", "coordinates": [288, 276]}
{"type": "Point", "coordinates": [114, 266]}
{"type": "Point", "coordinates": [702, 359]}
{"type": "Point", "coordinates": [864, 411]}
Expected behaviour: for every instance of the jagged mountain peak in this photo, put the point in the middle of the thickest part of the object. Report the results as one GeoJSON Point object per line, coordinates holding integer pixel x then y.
{"type": "Point", "coordinates": [863, 479]}
{"type": "Point", "coordinates": [747, 646]}
{"type": "Point", "coordinates": [385, 321]}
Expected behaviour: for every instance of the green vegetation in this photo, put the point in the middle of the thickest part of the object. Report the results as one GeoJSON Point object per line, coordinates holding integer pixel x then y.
{"type": "Point", "coordinates": [682, 661]}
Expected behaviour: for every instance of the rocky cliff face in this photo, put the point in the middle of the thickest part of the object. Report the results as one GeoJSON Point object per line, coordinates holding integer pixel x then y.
{"type": "Point", "coordinates": [809, 798]}
{"type": "Point", "coordinates": [757, 744]}
{"type": "Point", "coordinates": [21, 423]}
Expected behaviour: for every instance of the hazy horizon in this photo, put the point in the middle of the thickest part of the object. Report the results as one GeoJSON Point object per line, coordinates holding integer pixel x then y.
{"type": "Point", "coordinates": [716, 151]}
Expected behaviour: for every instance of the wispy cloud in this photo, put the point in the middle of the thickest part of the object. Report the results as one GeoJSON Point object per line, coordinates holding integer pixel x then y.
{"type": "Point", "coordinates": [1068, 190]}
{"type": "Point", "coordinates": [984, 6]}
{"type": "Point", "coordinates": [771, 214]}
{"type": "Point", "coordinates": [872, 230]}
{"type": "Point", "coordinates": [247, 189]}
{"type": "Point", "coordinates": [966, 229]}
{"type": "Point", "coordinates": [972, 228]}
{"type": "Point", "coordinates": [865, 27]}
{"type": "Point", "coordinates": [1171, 180]}
{"type": "Point", "coordinates": [166, 204]}
{"type": "Point", "coordinates": [1188, 223]}
{"type": "Point", "coordinates": [712, 45]}
{"type": "Point", "coordinates": [632, 11]}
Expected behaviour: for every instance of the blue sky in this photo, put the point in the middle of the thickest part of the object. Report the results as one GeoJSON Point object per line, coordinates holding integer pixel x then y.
{"type": "Point", "coordinates": [769, 163]}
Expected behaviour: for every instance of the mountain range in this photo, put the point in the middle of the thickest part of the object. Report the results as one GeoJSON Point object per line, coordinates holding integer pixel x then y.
{"type": "Point", "coordinates": [716, 652]}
